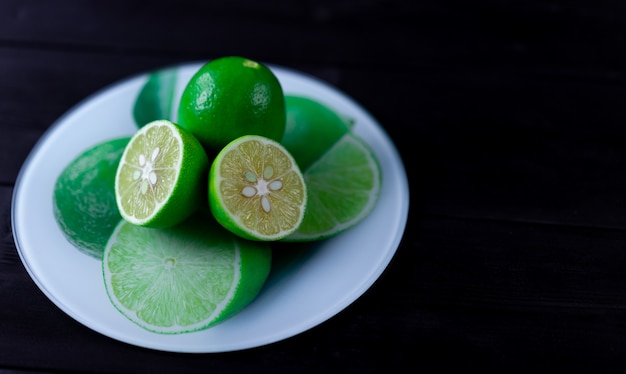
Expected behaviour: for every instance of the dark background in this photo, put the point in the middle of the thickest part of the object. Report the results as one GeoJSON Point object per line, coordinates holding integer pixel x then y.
{"type": "Point", "coordinates": [509, 116]}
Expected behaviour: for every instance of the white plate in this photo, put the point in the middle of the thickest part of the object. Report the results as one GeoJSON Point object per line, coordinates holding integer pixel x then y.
{"type": "Point", "coordinates": [305, 288]}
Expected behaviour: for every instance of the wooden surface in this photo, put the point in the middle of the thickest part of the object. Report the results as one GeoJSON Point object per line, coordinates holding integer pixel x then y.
{"type": "Point", "coordinates": [511, 121]}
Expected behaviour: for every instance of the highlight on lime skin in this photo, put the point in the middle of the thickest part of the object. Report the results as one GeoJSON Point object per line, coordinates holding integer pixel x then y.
{"type": "Point", "coordinates": [251, 64]}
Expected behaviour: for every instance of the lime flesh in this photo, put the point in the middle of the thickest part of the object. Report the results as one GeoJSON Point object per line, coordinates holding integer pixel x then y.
{"type": "Point", "coordinates": [84, 197]}
{"type": "Point", "coordinates": [182, 279]}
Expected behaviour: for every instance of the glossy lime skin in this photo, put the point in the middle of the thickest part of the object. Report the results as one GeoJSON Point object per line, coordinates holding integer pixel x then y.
{"type": "Point", "coordinates": [230, 97]}
{"type": "Point", "coordinates": [311, 129]}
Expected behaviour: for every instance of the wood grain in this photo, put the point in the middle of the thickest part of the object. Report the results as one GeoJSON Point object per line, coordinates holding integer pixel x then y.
{"type": "Point", "coordinates": [509, 117]}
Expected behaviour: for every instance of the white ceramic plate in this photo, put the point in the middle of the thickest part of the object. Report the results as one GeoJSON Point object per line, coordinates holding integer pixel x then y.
{"type": "Point", "coordinates": [305, 287]}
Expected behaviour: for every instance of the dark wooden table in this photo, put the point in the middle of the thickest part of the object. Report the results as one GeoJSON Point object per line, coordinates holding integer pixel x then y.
{"type": "Point", "coordinates": [511, 120]}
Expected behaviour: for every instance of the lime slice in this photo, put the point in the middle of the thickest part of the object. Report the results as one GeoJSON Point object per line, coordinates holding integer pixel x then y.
{"type": "Point", "coordinates": [256, 189]}
{"type": "Point", "coordinates": [84, 197]}
{"type": "Point", "coordinates": [185, 278]}
{"type": "Point", "coordinates": [343, 188]}
{"type": "Point", "coordinates": [161, 176]}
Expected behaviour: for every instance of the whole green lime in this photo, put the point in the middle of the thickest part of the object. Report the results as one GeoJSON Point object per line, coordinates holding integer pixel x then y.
{"type": "Point", "coordinates": [230, 97]}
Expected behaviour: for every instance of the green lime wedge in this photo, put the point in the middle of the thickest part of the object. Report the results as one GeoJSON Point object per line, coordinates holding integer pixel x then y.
{"type": "Point", "coordinates": [182, 279]}
{"type": "Point", "coordinates": [84, 197]}
{"type": "Point", "coordinates": [343, 187]}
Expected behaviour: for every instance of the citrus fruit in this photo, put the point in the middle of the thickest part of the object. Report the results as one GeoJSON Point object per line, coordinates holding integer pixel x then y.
{"type": "Point", "coordinates": [311, 129]}
{"type": "Point", "coordinates": [161, 176]}
{"type": "Point", "coordinates": [156, 97]}
{"type": "Point", "coordinates": [343, 187]}
{"type": "Point", "coordinates": [185, 278]}
{"type": "Point", "coordinates": [84, 197]}
{"type": "Point", "coordinates": [256, 189]}
{"type": "Point", "coordinates": [230, 97]}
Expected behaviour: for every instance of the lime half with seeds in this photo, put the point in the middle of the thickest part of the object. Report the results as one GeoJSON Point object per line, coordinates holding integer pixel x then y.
{"type": "Point", "coordinates": [182, 279]}
{"type": "Point", "coordinates": [256, 189]}
{"type": "Point", "coordinates": [161, 177]}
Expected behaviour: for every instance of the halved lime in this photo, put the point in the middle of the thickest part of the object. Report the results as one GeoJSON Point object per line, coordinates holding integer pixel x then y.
{"type": "Point", "coordinates": [161, 176]}
{"type": "Point", "coordinates": [343, 188]}
{"type": "Point", "coordinates": [84, 197]}
{"type": "Point", "coordinates": [185, 278]}
{"type": "Point", "coordinates": [256, 189]}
